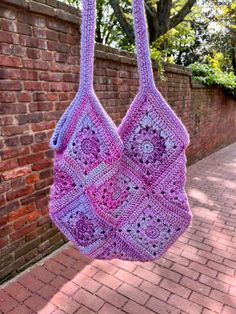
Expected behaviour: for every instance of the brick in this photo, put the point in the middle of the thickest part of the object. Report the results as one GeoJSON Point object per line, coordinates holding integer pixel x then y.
{"type": "Point", "coordinates": [163, 272]}
{"type": "Point", "coordinates": [69, 288]}
{"type": "Point", "coordinates": [211, 256]}
{"type": "Point", "coordinates": [111, 296]}
{"type": "Point", "coordinates": [32, 178]}
{"type": "Point", "coordinates": [18, 51]}
{"type": "Point", "coordinates": [7, 120]}
{"type": "Point", "coordinates": [44, 125]}
{"type": "Point", "coordinates": [184, 304]}
{"type": "Point", "coordinates": [203, 269]}
{"type": "Point", "coordinates": [6, 230]}
{"type": "Point", "coordinates": [3, 221]}
{"type": "Point", "coordinates": [34, 216]}
{"type": "Point", "coordinates": [40, 147]}
{"type": "Point", "coordinates": [9, 26]}
{"type": "Point", "coordinates": [175, 258]}
{"type": "Point", "coordinates": [90, 300]}
{"type": "Point", "coordinates": [186, 271]}
{"type": "Point", "coordinates": [82, 310]}
{"type": "Point", "coordinates": [39, 32]}
{"type": "Point", "coordinates": [14, 130]}
{"type": "Point", "coordinates": [228, 310]}
{"type": "Point", "coordinates": [9, 207]}
{"type": "Point", "coordinates": [10, 85]}
{"type": "Point", "coordinates": [8, 13]}
{"type": "Point", "coordinates": [20, 309]}
{"type": "Point", "coordinates": [7, 302]}
{"type": "Point", "coordinates": [17, 183]}
{"type": "Point", "coordinates": [11, 153]}
{"type": "Point", "coordinates": [40, 106]}
{"type": "Point", "coordinates": [133, 293]}
{"type": "Point", "coordinates": [12, 141]}
{"type": "Point", "coordinates": [64, 259]}
{"type": "Point", "coordinates": [206, 302]}
{"type": "Point", "coordinates": [40, 137]}
{"type": "Point", "coordinates": [42, 165]}
{"type": "Point", "coordinates": [8, 164]}
{"type": "Point", "coordinates": [163, 307]}
{"type": "Point", "coordinates": [223, 298]}
{"type": "Point", "coordinates": [34, 197]}
{"type": "Point", "coordinates": [86, 283]}
{"type": "Point", "coordinates": [19, 193]}
{"type": "Point", "coordinates": [26, 139]}
{"type": "Point", "coordinates": [21, 222]}
{"type": "Point", "coordinates": [128, 278]}
{"type": "Point", "coordinates": [22, 119]}
{"type": "Point", "coordinates": [24, 29]}
{"type": "Point", "coordinates": [49, 153]}
{"type": "Point", "coordinates": [5, 49]}
{"type": "Point", "coordinates": [147, 275]}
{"type": "Point", "coordinates": [32, 86]}
{"type": "Point", "coordinates": [22, 232]}
{"type": "Point", "coordinates": [36, 64]}
{"type": "Point", "coordinates": [47, 292]}
{"type": "Point", "coordinates": [35, 302]}
{"type": "Point", "coordinates": [20, 212]}
{"type": "Point", "coordinates": [30, 159]}
{"type": "Point", "coordinates": [221, 268]}
{"type": "Point", "coordinates": [10, 61]}
{"type": "Point", "coordinates": [12, 108]}
{"type": "Point", "coordinates": [195, 285]}
{"type": "Point", "coordinates": [43, 274]}
{"type": "Point", "coordinates": [27, 247]}
{"type": "Point", "coordinates": [154, 290]}
{"type": "Point", "coordinates": [232, 291]}
{"type": "Point", "coordinates": [107, 280]}
{"type": "Point", "coordinates": [230, 263]}
{"type": "Point", "coordinates": [175, 288]}
{"type": "Point", "coordinates": [52, 115]}
{"type": "Point", "coordinates": [30, 282]}
{"type": "Point", "coordinates": [108, 308]}
{"type": "Point", "coordinates": [5, 186]}
{"type": "Point", "coordinates": [126, 265]}
{"type": "Point", "coordinates": [33, 53]}
{"type": "Point", "coordinates": [42, 9]}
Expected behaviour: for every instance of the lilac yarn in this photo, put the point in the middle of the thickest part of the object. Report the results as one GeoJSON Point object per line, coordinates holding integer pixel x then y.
{"type": "Point", "coordinates": [119, 192]}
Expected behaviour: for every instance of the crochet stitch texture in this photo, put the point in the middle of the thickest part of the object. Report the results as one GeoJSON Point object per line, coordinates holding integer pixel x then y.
{"type": "Point", "coordinates": [119, 192]}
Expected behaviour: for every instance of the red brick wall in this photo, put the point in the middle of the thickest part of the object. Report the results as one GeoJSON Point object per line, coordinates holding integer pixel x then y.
{"type": "Point", "coordinates": [39, 73]}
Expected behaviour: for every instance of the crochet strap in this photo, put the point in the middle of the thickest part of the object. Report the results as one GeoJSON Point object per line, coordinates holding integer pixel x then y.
{"type": "Point", "coordinates": [88, 42]}
{"type": "Point", "coordinates": [142, 44]}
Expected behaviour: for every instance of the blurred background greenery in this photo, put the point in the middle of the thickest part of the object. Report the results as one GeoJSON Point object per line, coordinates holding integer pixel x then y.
{"type": "Point", "coordinates": [197, 34]}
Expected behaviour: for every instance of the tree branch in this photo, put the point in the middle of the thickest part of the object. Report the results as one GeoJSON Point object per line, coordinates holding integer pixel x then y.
{"type": "Point", "coordinates": [178, 18]}
{"type": "Point", "coordinates": [149, 8]}
{"type": "Point", "coordinates": [163, 17]}
{"type": "Point", "coordinates": [125, 25]}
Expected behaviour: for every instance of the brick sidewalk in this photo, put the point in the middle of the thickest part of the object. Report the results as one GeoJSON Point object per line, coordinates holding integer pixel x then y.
{"type": "Point", "coordinates": [197, 275]}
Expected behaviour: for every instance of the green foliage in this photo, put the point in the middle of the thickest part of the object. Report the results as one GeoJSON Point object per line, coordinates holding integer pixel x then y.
{"type": "Point", "coordinates": [209, 75]}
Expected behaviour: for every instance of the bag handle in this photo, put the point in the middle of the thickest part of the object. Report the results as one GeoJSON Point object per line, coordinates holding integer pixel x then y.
{"type": "Point", "coordinates": [87, 61]}
{"type": "Point", "coordinates": [88, 42]}
{"type": "Point", "coordinates": [146, 78]}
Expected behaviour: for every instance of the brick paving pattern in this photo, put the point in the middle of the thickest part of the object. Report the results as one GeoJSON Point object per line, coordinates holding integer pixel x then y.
{"type": "Point", "coordinates": [197, 275]}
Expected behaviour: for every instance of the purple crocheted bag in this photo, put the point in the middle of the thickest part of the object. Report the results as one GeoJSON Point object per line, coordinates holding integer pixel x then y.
{"type": "Point", "coordinates": [119, 192]}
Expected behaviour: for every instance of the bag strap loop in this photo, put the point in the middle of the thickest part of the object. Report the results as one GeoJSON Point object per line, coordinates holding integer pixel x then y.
{"type": "Point", "coordinates": [142, 44]}
{"type": "Point", "coordinates": [88, 42]}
